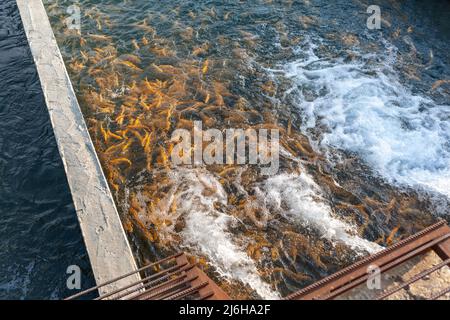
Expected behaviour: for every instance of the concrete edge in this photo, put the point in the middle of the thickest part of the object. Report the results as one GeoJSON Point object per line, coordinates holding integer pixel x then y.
{"type": "Point", "coordinates": [105, 239]}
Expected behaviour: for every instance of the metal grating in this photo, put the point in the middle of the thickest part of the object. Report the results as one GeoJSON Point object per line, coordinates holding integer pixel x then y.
{"type": "Point", "coordinates": [434, 238]}
{"type": "Point", "coordinates": [172, 278]}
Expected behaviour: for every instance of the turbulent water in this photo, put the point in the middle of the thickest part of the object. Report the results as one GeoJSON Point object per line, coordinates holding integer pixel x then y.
{"type": "Point", "coordinates": [363, 115]}
{"type": "Point", "coordinates": [404, 137]}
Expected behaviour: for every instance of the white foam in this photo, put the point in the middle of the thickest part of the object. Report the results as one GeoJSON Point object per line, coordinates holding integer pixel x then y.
{"type": "Point", "coordinates": [207, 229]}
{"type": "Point", "coordinates": [299, 199]}
{"type": "Point", "coordinates": [367, 110]}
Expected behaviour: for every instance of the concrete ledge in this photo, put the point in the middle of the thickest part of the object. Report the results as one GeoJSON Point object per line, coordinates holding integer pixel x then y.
{"type": "Point", "coordinates": [107, 245]}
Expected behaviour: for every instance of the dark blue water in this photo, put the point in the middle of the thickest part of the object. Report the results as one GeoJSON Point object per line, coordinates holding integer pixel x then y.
{"type": "Point", "coordinates": [39, 232]}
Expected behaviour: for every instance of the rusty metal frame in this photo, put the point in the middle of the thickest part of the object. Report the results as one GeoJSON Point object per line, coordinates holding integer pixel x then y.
{"type": "Point", "coordinates": [435, 238]}
{"type": "Point", "coordinates": [171, 278]}
{"type": "Point", "coordinates": [175, 277]}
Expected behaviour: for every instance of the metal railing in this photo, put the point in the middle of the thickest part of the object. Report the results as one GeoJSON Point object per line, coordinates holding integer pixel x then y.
{"type": "Point", "coordinates": [434, 238]}
{"type": "Point", "coordinates": [171, 278]}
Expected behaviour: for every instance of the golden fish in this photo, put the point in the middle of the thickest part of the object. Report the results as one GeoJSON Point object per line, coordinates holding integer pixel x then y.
{"type": "Point", "coordinates": [84, 55]}
{"type": "Point", "coordinates": [192, 15]}
{"type": "Point", "coordinates": [198, 51]}
{"type": "Point", "coordinates": [144, 26]}
{"type": "Point", "coordinates": [137, 125]}
{"type": "Point", "coordinates": [131, 65]}
{"type": "Point", "coordinates": [138, 135]}
{"type": "Point", "coordinates": [99, 50]}
{"type": "Point", "coordinates": [157, 68]}
{"type": "Point", "coordinates": [127, 145]}
{"type": "Point", "coordinates": [163, 52]}
{"type": "Point", "coordinates": [104, 133]}
{"type": "Point", "coordinates": [76, 66]}
{"type": "Point", "coordinates": [162, 158]}
{"type": "Point", "coordinates": [113, 135]}
{"type": "Point", "coordinates": [146, 142]}
{"type": "Point", "coordinates": [115, 186]}
{"type": "Point", "coordinates": [439, 83]}
{"type": "Point", "coordinates": [391, 236]}
{"type": "Point", "coordinates": [115, 147]}
{"type": "Point", "coordinates": [124, 132]}
{"type": "Point", "coordinates": [130, 101]}
{"type": "Point", "coordinates": [99, 37]}
{"type": "Point", "coordinates": [131, 57]}
{"type": "Point", "coordinates": [207, 98]}
{"type": "Point", "coordinates": [135, 44]}
{"type": "Point", "coordinates": [168, 69]}
{"type": "Point", "coordinates": [205, 66]}
{"type": "Point", "coordinates": [99, 25]}
{"type": "Point", "coordinates": [120, 160]}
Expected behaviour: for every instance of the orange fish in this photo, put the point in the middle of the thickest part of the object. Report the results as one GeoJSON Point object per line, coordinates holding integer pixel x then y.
{"type": "Point", "coordinates": [205, 66]}
{"type": "Point", "coordinates": [120, 160]}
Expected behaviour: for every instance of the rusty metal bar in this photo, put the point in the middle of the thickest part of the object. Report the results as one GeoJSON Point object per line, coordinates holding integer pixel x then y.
{"type": "Point", "coordinates": [149, 289]}
{"type": "Point", "coordinates": [205, 296]}
{"type": "Point", "coordinates": [148, 285]}
{"type": "Point", "coordinates": [165, 288]}
{"type": "Point", "coordinates": [414, 279]}
{"type": "Point", "coordinates": [140, 282]}
{"type": "Point", "coordinates": [357, 270]}
{"type": "Point", "coordinates": [123, 276]}
{"type": "Point", "coordinates": [175, 269]}
{"type": "Point", "coordinates": [187, 292]}
{"type": "Point", "coordinates": [388, 266]}
{"type": "Point", "coordinates": [175, 278]}
{"type": "Point", "coordinates": [443, 250]}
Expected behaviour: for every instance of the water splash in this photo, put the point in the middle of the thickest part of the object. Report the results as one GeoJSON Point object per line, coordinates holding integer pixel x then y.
{"type": "Point", "coordinates": [365, 109]}
{"type": "Point", "coordinates": [206, 229]}
{"type": "Point", "coordinates": [299, 199]}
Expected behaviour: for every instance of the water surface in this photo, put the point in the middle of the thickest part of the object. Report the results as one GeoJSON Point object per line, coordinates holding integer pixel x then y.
{"type": "Point", "coordinates": [363, 118]}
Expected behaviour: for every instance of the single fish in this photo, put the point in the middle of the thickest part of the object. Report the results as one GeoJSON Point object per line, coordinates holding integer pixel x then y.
{"type": "Point", "coordinates": [120, 160]}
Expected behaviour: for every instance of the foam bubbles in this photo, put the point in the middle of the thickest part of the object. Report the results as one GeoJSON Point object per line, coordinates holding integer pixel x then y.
{"type": "Point", "coordinates": [299, 199]}
{"type": "Point", "coordinates": [362, 107]}
{"type": "Point", "coordinates": [206, 229]}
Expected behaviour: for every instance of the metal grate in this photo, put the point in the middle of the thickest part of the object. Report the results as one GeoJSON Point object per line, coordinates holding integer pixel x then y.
{"type": "Point", "coordinates": [434, 238]}
{"type": "Point", "coordinates": [172, 278]}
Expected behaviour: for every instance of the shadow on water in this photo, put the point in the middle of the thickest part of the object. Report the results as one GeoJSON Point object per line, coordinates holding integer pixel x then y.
{"type": "Point", "coordinates": [39, 231]}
